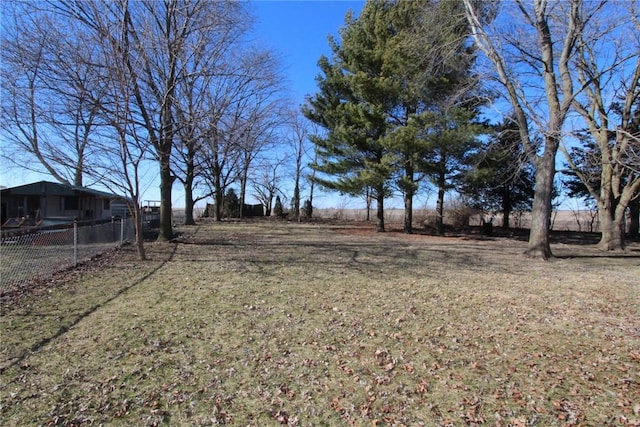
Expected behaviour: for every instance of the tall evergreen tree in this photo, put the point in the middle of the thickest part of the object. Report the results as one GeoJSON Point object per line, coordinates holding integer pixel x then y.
{"type": "Point", "coordinates": [356, 94]}
{"type": "Point", "coordinates": [382, 93]}
{"type": "Point", "coordinates": [231, 206]}
{"type": "Point", "coordinates": [437, 92]}
{"type": "Point", "coordinates": [451, 135]}
{"type": "Point", "coordinates": [502, 179]}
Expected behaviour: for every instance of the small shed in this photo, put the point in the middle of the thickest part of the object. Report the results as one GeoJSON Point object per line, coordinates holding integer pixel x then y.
{"type": "Point", "coordinates": [45, 199]}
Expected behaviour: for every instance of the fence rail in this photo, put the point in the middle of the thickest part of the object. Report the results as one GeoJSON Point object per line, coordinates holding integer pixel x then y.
{"type": "Point", "coordinates": [26, 255]}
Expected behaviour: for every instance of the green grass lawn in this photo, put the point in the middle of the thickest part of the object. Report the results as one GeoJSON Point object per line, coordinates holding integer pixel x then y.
{"type": "Point", "coordinates": [320, 325]}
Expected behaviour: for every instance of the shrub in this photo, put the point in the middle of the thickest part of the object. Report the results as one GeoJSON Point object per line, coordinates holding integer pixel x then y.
{"type": "Point", "coordinates": [277, 209]}
{"type": "Point", "coordinates": [307, 209]}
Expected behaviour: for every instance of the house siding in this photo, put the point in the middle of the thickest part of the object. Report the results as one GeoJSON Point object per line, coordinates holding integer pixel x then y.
{"type": "Point", "coordinates": [47, 199]}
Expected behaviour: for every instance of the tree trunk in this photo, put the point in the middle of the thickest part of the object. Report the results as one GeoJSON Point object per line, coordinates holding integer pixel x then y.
{"type": "Point", "coordinates": [612, 230]}
{"type": "Point", "coordinates": [440, 211]}
{"type": "Point", "coordinates": [310, 213]}
{"type": "Point", "coordinates": [218, 193]}
{"type": "Point", "coordinates": [188, 202]}
{"type": "Point", "coordinates": [506, 224]}
{"type": "Point", "coordinates": [142, 255]}
{"type": "Point", "coordinates": [506, 209]}
{"type": "Point", "coordinates": [440, 201]}
{"type": "Point", "coordinates": [634, 219]}
{"type": "Point", "coordinates": [243, 190]}
{"type": "Point", "coordinates": [312, 181]}
{"type": "Point", "coordinates": [506, 214]}
{"type": "Point", "coordinates": [612, 211]}
{"type": "Point", "coordinates": [539, 246]}
{"type": "Point", "coordinates": [188, 187]}
{"type": "Point", "coordinates": [136, 211]}
{"type": "Point", "coordinates": [296, 198]}
{"type": "Point", "coordinates": [296, 188]}
{"type": "Point", "coordinates": [77, 176]}
{"type": "Point", "coordinates": [219, 200]}
{"type": "Point", "coordinates": [269, 206]}
{"type": "Point", "coordinates": [166, 182]}
{"type": "Point", "coordinates": [408, 212]}
{"type": "Point", "coordinates": [408, 197]}
{"type": "Point", "coordinates": [380, 214]}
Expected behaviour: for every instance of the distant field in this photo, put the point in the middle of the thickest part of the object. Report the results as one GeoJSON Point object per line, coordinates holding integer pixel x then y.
{"type": "Point", "coordinates": [269, 323]}
{"type": "Point", "coordinates": [563, 220]}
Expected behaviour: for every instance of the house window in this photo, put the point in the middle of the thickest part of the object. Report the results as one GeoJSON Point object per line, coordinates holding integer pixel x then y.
{"type": "Point", "coordinates": [71, 203]}
{"type": "Point", "coordinates": [106, 204]}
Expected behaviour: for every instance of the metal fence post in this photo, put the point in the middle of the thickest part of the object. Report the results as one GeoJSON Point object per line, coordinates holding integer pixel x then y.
{"type": "Point", "coordinates": [121, 231]}
{"type": "Point", "coordinates": [75, 243]}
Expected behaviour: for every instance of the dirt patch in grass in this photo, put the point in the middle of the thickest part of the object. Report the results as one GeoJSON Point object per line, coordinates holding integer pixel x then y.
{"type": "Point", "coordinates": [317, 324]}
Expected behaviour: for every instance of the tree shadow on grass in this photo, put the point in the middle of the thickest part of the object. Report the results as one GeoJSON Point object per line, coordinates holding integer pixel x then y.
{"type": "Point", "coordinates": [629, 254]}
{"type": "Point", "coordinates": [370, 254]}
{"type": "Point", "coordinates": [581, 238]}
{"type": "Point", "coordinates": [65, 328]}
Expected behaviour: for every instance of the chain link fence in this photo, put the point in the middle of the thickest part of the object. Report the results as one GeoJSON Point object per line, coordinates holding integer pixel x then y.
{"type": "Point", "coordinates": [26, 255]}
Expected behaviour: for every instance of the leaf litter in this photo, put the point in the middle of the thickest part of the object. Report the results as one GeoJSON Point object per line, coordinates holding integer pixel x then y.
{"type": "Point", "coordinates": [306, 324]}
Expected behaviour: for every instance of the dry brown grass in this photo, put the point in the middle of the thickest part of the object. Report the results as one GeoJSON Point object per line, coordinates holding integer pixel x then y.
{"type": "Point", "coordinates": [272, 323]}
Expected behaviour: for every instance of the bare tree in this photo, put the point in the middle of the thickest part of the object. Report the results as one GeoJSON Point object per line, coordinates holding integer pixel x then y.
{"type": "Point", "coordinates": [79, 101]}
{"type": "Point", "coordinates": [256, 115]}
{"type": "Point", "coordinates": [148, 38]}
{"type": "Point", "coordinates": [155, 35]}
{"type": "Point", "coordinates": [608, 68]}
{"type": "Point", "coordinates": [188, 140]}
{"type": "Point", "coordinates": [121, 156]}
{"type": "Point", "coordinates": [254, 133]}
{"type": "Point", "coordinates": [266, 182]}
{"type": "Point", "coordinates": [160, 44]}
{"type": "Point", "coordinates": [205, 65]}
{"type": "Point", "coordinates": [50, 89]}
{"type": "Point", "coordinates": [217, 154]}
{"type": "Point", "coordinates": [531, 58]}
{"type": "Point", "coordinates": [235, 127]}
{"type": "Point", "coordinates": [311, 177]}
{"type": "Point", "coordinates": [297, 132]}
{"type": "Point", "coordinates": [218, 160]}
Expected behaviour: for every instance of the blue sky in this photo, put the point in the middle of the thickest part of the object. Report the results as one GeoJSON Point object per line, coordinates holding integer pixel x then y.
{"type": "Point", "coordinates": [298, 30]}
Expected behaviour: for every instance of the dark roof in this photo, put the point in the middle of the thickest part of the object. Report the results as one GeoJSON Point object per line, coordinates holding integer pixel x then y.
{"type": "Point", "coordinates": [55, 189]}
